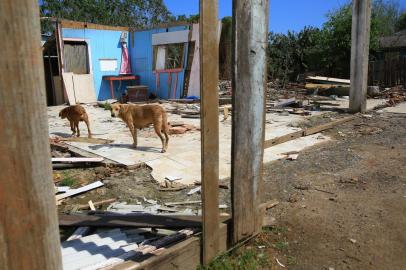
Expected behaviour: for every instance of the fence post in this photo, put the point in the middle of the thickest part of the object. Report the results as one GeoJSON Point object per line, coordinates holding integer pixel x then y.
{"type": "Point", "coordinates": [209, 127]}
{"type": "Point", "coordinates": [250, 40]}
{"type": "Point", "coordinates": [29, 234]}
{"type": "Point", "coordinates": [361, 25]}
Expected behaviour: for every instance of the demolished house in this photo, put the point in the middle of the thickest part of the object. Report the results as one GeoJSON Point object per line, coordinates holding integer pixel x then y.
{"type": "Point", "coordinates": [86, 62]}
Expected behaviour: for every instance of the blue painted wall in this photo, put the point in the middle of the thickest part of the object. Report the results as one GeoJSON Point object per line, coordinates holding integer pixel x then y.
{"type": "Point", "coordinates": [142, 63]}
{"type": "Point", "coordinates": [106, 44]}
{"type": "Point", "coordinates": [103, 44]}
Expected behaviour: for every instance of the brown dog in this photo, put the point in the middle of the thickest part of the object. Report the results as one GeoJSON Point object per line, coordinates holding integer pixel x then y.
{"type": "Point", "coordinates": [136, 116]}
{"type": "Point", "coordinates": [75, 114]}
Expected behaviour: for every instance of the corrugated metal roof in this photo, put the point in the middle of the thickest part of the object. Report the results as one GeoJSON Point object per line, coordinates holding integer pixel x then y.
{"type": "Point", "coordinates": [97, 248]}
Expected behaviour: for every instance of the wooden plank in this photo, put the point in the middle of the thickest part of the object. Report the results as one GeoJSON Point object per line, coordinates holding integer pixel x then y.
{"type": "Point", "coordinates": [29, 236]}
{"type": "Point", "coordinates": [209, 70]}
{"type": "Point", "coordinates": [76, 191]}
{"type": "Point", "coordinates": [327, 79]}
{"type": "Point", "coordinates": [283, 139]}
{"type": "Point", "coordinates": [77, 159]}
{"type": "Point", "coordinates": [137, 221]}
{"type": "Point", "coordinates": [84, 25]}
{"type": "Point", "coordinates": [322, 86]}
{"type": "Point", "coordinates": [86, 206]}
{"type": "Point", "coordinates": [319, 128]}
{"type": "Point", "coordinates": [250, 39]}
{"type": "Point", "coordinates": [269, 205]}
{"type": "Point", "coordinates": [361, 26]}
{"type": "Point", "coordinates": [309, 131]}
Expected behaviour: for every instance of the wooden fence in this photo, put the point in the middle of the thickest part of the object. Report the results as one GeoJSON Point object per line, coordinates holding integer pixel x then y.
{"type": "Point", "coordinates": [387, 73]}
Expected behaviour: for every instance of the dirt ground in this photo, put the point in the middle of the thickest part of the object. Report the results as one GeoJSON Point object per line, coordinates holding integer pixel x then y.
{"type": "Point", "coordinates": [342, 203]}
{"type": "Point", "coordinates": [130, 186]}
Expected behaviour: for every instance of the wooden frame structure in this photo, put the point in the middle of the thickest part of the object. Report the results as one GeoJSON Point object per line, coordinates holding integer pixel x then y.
{"type": "Point", "coordinates": [30, 219]}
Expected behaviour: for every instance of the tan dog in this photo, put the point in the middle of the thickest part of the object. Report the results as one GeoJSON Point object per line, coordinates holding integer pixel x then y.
{"type": "Point", "coordinates": [138, 117]}
{"type": "Point", "coordinates": [75, 114]}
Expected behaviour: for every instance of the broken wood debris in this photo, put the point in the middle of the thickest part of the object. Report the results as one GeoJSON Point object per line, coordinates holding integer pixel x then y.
{"type": "Point", "coordinates": [269, 204]}
{"type": "Point", "coordinates": [77, 159]}
{"type": "Point", "coordinates": [86, 206]}
{"type": "Point", "coordinates": [195, 190]}
{"type": "Point", "coordinates": [73, 192]}
{"type": "Point", "coordinates": [91, 205]}
{"type": "Point", "coordinates": [133, 220]}
{"type": "Point", "coordinates": [306, 132]}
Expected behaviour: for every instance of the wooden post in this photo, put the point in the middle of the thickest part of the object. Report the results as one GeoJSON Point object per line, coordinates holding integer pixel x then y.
{"type": "Point", "coordinates": [250, 39]}
{"type": "Point", "coordinates": [29, 235]}
{"type": "Point", "coordinates": [209, 126]}
{"type": "Point", "coordinates": [361, 26]}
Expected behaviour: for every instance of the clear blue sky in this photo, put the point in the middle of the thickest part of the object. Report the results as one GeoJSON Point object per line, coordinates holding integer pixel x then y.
{"type": "Point", "coordinates": [284, 14]}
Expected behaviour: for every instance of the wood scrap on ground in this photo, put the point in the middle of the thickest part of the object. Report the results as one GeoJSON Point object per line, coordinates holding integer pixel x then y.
{"type": "Point", "coordinates": [133, 220]}
{"type": "Point", "coordinates": [78, 160]}
{"type": "Point", "coordinates": [74, 192]}
{"type": "Point", "coordinates": [306, 132]}
{"type": "Point", "coordinates": [86, 206]}
{"type": "Point", "coordinates": [87, 140]}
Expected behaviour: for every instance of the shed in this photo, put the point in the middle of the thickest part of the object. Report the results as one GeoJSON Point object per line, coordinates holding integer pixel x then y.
{"type": "Point", "coordinates": [82, 61]}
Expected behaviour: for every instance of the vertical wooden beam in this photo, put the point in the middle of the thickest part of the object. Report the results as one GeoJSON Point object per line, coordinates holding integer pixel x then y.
{"type": "Point", "coordinates": [361, 26]}
{"type": "Point", "coordinates": [209, 126]}
{"type": "Point", "coordinates": [250, 40]}
{"type": "Point", "coordinates": [29, 235]}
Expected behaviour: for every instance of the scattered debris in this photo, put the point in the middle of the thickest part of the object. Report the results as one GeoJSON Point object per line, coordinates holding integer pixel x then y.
{"type": "Point", "coordinates": [62, 189]}
{"type": "Point", "coordinates": [78, 159]}
{"type": "Point", "coordinates": [269, 204]}
{"type": "Point", "coordinates": [177, 130]}
{"type": "Point", "coordinates": [91, 205]}
{"type": "Point", "coordinates": [86, 206]}
{"type": "Point", "coordinates": [79, 233]}
{"type": "Point", "coordinates": [73, 192]}
{"type": "Point", "coordinates": [292, 156]}
{"type": "Point", "coordinates": [182, 203]}
{"type": "Point", "coordinates": [280, 263]}
{"type": "Point", "coordinates": [195, 190]}
{"type": "Point", "coordinates": [353, 241]}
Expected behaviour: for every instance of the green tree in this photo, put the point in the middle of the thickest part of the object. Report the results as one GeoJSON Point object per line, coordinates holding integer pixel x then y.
{"type": "Point", "coordinates": [132, 13]}
{"type": "Point", "coordinates": [401, 23]}
{"type": "Point", "coordinates": [327, 51]}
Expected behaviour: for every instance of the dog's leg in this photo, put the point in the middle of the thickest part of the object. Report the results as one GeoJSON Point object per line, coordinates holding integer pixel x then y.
{"type": "Point", "coordinates": [133, 131]}
{"type": "Point", "coordinates": [165, 132]}
{"type": "Point", "coordinates": [72, 127]}
{"type": "Point", "coordinates": [158, 132]}
{"type": "Point", "coordinates": [77, 128]}
{"type": "Point", "coordinates": [86, 120]}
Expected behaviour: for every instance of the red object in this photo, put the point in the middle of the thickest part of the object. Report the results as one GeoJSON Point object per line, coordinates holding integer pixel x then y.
{"type": "Point", "coordinates": [169, 71]}
{"type": "Point", "coordinates": [111, 79]}
{"type": "Point", "coordinates": [125, 60]}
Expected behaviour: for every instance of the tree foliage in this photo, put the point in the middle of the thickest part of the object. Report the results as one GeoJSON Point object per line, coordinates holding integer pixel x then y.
{"type": "Point", "coordinates": [327, 51]}
{"type": "Point", "coordinates": [132, 13]}
{"type": "Point", "coordinates": [401, 23]}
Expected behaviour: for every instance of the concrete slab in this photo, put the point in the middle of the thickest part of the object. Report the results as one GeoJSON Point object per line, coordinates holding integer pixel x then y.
{"type": "Point", "coordinates": [344, 103]}
{"type": "Point", "coordinates": [183, 156]}
{"type": "Point", "coordinates": [400, 108]}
